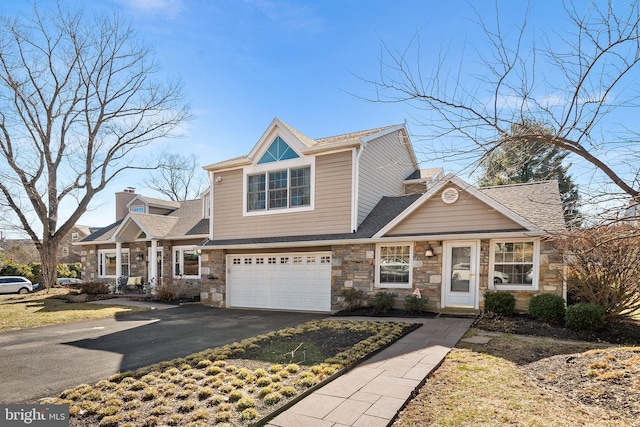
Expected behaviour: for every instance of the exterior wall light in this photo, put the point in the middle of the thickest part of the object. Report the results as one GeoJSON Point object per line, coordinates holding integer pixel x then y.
{"type": "Point", "coordinates": [429, 252]}
{"type": "Point", "coordinates": [139, 257]}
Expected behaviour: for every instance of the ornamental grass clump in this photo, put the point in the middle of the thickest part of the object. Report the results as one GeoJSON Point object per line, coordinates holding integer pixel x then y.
{"type": "Point", "coordinates": [245, 402]}
{"type": "Point", "coordinates": [249, 414]}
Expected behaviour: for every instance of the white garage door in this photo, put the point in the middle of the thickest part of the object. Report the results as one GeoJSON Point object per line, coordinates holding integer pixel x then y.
{"type": "Point", "coordinates": [285, 281]}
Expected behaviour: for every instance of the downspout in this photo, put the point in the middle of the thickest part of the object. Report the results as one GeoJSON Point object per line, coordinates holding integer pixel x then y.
{"type": "Point", "coordinates": [211, 184]}
{"type": "Point", "coordinates": [356, 154]}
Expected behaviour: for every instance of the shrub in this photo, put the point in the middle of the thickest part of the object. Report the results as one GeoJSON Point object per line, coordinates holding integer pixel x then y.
{"type": "Point", "coordinates": [605, 265]}
{"type": "Point", "coordinates": [499, 302]}
{"type": "Point", "coordinates": [382, 302]}
{"type": "Point", "coordinates": [584, 316]}
{"type": "Point", "coordinates": [353, 298]}
{"type": "Point", "coordinates": [94, 288]}
{"type": "Point", "coordinates": [169, 291]}
{"type": "Point", "coordinates": [414, 304]}
{"type": "Point", "coordinates": [547, 307]}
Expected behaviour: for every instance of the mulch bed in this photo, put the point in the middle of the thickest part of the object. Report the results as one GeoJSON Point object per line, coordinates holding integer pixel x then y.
{"type": "Point", "coordinates": [623, 332]}
{"type": "Point", "coordinates": [369, 312]}
{"type": "Point", "coordinates": [607, 378]}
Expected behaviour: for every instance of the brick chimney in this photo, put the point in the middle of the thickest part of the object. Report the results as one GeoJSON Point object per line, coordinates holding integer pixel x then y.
{"type": "Point", "coordinates": [122, 198]}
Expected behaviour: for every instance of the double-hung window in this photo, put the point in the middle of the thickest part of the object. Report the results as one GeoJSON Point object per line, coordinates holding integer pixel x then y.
{"type": "Point", "coordinates": [107, 259]}
{"type": "Point", "coordinates": [186, 262]}
{"type": "Point", "coordinates": [281, 189]}
{"type": "Point", "coordinates": [515, 263]}
{"type": "Point", "coordinates": [394, 266]}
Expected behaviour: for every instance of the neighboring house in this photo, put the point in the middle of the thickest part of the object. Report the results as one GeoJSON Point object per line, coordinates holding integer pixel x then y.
{"type": "Point", "coordinates": [151, 238]}
{"type": "Point", "coordinates": [25, 250]}
{"type": "Point", "coordinates": [294, 222]}
{"type": "Point", "coordinates": [67, 251]}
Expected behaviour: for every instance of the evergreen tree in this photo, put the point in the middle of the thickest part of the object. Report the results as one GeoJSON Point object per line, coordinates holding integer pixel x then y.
{"type": "Point", "coordinates": [518, 159]}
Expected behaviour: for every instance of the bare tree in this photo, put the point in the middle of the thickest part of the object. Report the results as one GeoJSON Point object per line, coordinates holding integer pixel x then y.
{"type": "Point", "coordinates": [578, 82]}
{"type": "Point", "coordinates": [177, 177]}
{"type": "Point", "coordinates": [77, 97]}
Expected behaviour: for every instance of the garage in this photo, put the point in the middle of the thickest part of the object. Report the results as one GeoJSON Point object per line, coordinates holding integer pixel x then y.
{"type": "Point", "coordinates": [281, 281]}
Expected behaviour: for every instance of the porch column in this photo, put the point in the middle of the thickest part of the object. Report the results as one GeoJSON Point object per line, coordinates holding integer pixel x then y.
{"type": "Point", "coordinates": [118, 260]}
{"type": "Point", "coordinates": [154, 261]}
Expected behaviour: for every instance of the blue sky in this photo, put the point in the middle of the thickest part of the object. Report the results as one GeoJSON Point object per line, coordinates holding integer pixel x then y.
{"type": "Point", "coordinates": [245, 62]}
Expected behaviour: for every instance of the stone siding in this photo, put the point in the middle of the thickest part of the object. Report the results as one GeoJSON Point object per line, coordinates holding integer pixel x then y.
{"type": "Point", "coordinates": [550, 279]}
{"type": "Point", "coordinates": [213, 264]}
{"type": "Point", "coordinates": [351, 267]}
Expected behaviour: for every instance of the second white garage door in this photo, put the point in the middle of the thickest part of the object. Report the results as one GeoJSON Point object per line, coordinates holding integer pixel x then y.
{"type": "Point", "coordinates": [286, 281]}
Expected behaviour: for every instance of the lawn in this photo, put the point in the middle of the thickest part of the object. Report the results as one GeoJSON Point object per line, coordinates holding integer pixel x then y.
{"type": "Point", "coordinates": [530, 381]}
{"type": "Point", "coordinates": [40, 309]}
{"type": "Point", "coordinates": [237, 384]}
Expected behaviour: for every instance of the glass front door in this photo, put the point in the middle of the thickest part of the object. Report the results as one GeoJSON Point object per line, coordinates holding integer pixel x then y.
{"type": "Point", "coordinates": [461, 274]}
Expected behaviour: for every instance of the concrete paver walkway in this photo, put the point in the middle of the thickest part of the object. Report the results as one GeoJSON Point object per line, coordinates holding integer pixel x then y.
{"type": "Point", "coordinates": [372, 393]}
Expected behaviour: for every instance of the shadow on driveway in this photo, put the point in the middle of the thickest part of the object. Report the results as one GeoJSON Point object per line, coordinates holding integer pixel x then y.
{"type": "Point", "coordinates": [44, 361]}
{"type": "Point", "coordinates": [185, 330]}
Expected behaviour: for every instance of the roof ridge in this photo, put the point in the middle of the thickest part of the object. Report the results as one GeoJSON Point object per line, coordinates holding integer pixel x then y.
{"type": "Point", "coordinates": [518, 184]}
{"type": "Point", "coordinates": [373, 130]}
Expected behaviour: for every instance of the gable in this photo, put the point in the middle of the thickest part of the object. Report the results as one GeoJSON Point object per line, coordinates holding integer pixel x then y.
{"type": "Point", "coordinates": [466, 214]}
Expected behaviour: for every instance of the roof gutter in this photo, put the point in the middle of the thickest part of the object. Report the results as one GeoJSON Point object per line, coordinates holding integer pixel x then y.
{"type": "Point", "coordinates": [404, 239]}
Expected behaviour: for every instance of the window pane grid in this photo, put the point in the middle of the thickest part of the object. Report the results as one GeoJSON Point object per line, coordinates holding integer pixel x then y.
{"type": "Point", "coordinates": [279, 189]}
{"type": "Point", "coordinates": [394, 264]}
{"type": "Point", "coordinates": [515, 259]}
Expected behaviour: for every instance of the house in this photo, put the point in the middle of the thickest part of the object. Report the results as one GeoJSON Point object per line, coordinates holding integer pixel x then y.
{"type": "Point", "coordinates": [295, 221]}
{"type": "Point", "coordinates": [151, 238]}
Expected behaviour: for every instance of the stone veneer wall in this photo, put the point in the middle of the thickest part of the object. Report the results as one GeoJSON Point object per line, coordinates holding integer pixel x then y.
{"type": "Point", "coordinates": [89, 260]}
{"type": "Point", "coordinates": [213, 265]}
{"type": "Point", "coordinates": [353, 266]}
{"type": "Point", "coordinates": [550, 280]}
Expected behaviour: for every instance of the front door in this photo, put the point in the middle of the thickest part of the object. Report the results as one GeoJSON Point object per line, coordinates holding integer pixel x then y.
{"type": "Point", "coordinates": [461, 274]}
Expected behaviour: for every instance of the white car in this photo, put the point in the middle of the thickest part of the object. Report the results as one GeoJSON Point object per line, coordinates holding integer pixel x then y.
{"type": "Point", "coordinates": [460, 272]}
{"type": "Point", "coordinates": [66, 281]}
{"type": "Point", "coordinates": [15, 284]}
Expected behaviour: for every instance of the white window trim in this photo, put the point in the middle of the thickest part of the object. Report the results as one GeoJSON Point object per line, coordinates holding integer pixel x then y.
{"type": "Point", "coordinates": [159, 249]}
{"type": "Point", "coordinates": [377, 266]}
{"type": "Point", "coordinates": [134, 207]}
{"type": "Point", "coordinates": [296, 163]}
{"type": "Point", "coordinates": [101, 253]}
{"type": "Point", "coordinates": [536, 265]}
{"type": "Point", "coordinates": [181, 249]}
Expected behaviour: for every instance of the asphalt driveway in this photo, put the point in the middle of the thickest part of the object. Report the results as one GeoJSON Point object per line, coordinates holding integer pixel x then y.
{"type": "Point", "coordinates": [41, 362]}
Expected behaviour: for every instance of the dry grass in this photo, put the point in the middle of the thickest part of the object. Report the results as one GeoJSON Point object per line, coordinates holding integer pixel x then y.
{"type": "Point", "coordinates": [41, 309]}
{"type": "Point", "coordinates": [486, 385]}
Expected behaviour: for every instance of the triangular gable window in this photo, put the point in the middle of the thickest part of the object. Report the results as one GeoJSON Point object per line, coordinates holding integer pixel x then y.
{"type": "Point", "coordinates": [279, 150]}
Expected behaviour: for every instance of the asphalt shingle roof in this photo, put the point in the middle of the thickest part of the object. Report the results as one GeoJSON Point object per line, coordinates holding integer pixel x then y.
{"type": "Point", "coordinates": [186, 220]}
{"type": "Point", "coordinates": [538, 202]}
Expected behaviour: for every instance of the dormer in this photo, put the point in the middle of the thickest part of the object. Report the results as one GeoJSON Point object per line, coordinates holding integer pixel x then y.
{"type": "Point", "coordinates": [280, 178]}
{"type": "Point", "coordinates": [148, 205]}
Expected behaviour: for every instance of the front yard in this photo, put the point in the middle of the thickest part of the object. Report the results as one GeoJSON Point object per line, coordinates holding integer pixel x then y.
{"type": "Point", "coordinates": [532, 380]}
{"type": "Point", "coordinates": [237, 384]}
{"type": "Point", "coordinates": [41, 309]}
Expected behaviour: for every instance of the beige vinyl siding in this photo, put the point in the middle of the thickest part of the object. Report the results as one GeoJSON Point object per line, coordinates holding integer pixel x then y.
{"type": "Point", "coordinates": [384, 165]}
{"type": "Point", "coordinates": [332, 213]}
{"type": "Point", "coordinates": [467, 214]}
{"type": "Point", "coordinates": [159, 211]}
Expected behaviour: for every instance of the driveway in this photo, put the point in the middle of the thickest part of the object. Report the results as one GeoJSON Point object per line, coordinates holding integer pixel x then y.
{"type": "Point", "coordinates": [41, 362]}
